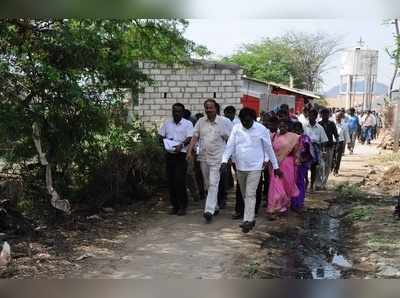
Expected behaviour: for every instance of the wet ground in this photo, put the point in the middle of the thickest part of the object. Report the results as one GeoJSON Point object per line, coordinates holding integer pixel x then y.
{"type": "Point", "coordinates": [314, 250]}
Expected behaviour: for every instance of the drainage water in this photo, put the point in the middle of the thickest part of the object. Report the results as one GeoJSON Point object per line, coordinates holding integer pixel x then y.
{"type": "Point", "coordinates": [318, 252]}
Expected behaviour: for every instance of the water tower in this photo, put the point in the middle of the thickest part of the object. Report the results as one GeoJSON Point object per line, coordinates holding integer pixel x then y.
{"type": "Point", "coordinates": [358, 77]}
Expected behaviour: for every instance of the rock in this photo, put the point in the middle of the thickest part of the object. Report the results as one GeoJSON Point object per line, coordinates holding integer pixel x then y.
{"type": "Point", "coordinates": [5, 254]}
{"type": "Point", "coordinates": [372, 172]}
{"type": "Point", "coordinates": [340, 261]}
{"type": "Point", "coordinates": [388, 271]}
{"type": "Point", "coordinates": [42, 256]}
{"type": "Point", "coordinates": [93, 217]}
{"type": "Point", "coordinates": [40, 228]}
{"type": "Point", "coordinates": [337, 211]}
{"type": "Point", "coordinates": [108, 210]}
{"type": "Point", "coordinates": [85, 256]}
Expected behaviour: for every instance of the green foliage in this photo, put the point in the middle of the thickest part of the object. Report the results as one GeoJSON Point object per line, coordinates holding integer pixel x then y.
{"type": "Point", "coordinates": [70, 76]}
{"type": "Point", "coordinates": [269, 60]}
{"type": "Point", "coordinates": [348, 191]}
{"type": "Point", "coordinates": [361, 213]}
{"type": "Point", "coordinates": [130, 166]}
{"type": "Point", "coordinates": [252, 270]}
{"type": "Point", "coordinates": [302, 56]}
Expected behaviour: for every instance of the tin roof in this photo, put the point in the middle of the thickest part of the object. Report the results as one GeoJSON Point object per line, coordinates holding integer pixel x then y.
{"type": "Point", "coordinates": [284, 87]}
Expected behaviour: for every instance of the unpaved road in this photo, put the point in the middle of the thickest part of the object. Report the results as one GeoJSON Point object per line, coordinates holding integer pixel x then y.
{"type": "Point", "coordinates": [186, 247]}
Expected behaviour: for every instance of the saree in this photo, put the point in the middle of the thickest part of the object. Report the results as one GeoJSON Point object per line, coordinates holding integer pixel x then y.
{"type": "Point", "coordinates": [281, 190]}
{"type": "Point", "coordinates": [306, 159]}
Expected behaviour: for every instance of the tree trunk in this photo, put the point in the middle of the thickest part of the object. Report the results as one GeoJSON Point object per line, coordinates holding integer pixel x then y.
{"type": "Point", "coordinates": [56, 201]}
{"type": "Point", "coordinates": [396, 66]}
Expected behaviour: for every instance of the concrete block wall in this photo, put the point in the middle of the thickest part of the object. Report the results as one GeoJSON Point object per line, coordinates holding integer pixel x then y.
{"type": "Point", "coordinates": [190, 85]}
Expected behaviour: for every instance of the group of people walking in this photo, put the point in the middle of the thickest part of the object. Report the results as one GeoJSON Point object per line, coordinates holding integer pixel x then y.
{"type": "Point", "coordinates": [270, 157]}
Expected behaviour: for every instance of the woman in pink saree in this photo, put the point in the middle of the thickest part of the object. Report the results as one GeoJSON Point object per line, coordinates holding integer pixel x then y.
{"type": "Point", "coordinates": [281, 190]}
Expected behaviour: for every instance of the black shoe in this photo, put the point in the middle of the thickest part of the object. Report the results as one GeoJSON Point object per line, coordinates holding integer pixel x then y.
{"type": "Point", "coordinates": [251, 223]}
{"type": "Point", "coordinates": [246, 227]}
{"type": "Point", "coordinates": [216, 212]}
{"type": "Point", "coordinates": [181, 212]}
{"type": "Point", "coordinates": [173, 211]}
{"type": "Point", "coordinates": [208, 216]}
{"type": "Point", "coordinates": [222, 206]}
{"type": "Point", "coordinates": [237, 216]}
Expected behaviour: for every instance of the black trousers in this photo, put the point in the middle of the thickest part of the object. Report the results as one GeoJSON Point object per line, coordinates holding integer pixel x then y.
{"type": "Point", "coordinates": [239, 206]}
{"type": "Point", "coordinates": [313, 170]}
{"type": "Point", "coordinates": [176, 172]}
{"type": "Point", "coordinates": [337, 157]}
{"type": "Point", "coordinates": [222, 190]}
{"type": "Point", "coordinates": [231, 181]}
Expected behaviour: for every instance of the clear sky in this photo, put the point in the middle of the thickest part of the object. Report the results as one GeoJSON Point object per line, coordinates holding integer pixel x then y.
{"type": "Point", "coordinates": [224, 36]}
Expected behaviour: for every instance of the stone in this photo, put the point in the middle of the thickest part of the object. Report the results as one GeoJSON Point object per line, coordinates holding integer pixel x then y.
{"type": "Point", "coordinates": [108, 209]}
{"type": "Point", "coordinates": [337, 211]}
{"type": "Point", "coordinates": [340, 261]}
{"type": "Point", "coordinates": [388, 271]}
{"type": "Point", "coordinates": [85, 256]}
{"type": "Point", "coordinates": [93, 217]}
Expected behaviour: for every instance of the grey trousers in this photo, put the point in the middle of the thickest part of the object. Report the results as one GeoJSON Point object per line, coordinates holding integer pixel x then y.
{"type": "Point", "coordinates": [248, 181]}
{"type": "Point", "coordinates": [325, 167]}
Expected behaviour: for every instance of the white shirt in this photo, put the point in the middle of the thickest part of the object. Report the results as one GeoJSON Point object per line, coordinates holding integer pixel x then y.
{"type": "Point", "coordinates": [212, 138]}
{"type": "Point", "coordinates": [251, 147]}
{"type": "Point", "coordinates": [343, 132]}
{"type": "Point", "coordinates": [316, 133]}
{"type": "Point", "coordinates": [303, 120]}
{"type": "Point", "coordinates": [236, 120]}
{"type": "Point", "coordinates": [177, 132]}
{"type": "Point", "coordinates": [368, 120]}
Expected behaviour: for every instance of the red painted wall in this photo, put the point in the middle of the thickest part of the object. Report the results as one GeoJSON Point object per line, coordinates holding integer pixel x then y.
{"type": "Point", "coordinates": [254, 102]}
{"type": "Point", "coordinates": [251, 102]}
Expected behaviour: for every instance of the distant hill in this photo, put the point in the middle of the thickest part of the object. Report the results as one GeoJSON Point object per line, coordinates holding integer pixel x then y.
{"type": "Point", "coordinates": [379, 89]}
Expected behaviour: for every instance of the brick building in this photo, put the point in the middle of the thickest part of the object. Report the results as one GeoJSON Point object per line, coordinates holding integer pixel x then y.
{"type": "Point", "coordinates": [188, 84]}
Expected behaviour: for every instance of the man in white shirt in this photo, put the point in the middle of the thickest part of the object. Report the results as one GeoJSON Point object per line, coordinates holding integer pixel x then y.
{"type": "Point", "coordinates": [318, 138]}
{"type": "Point", "coordinates": [368, 122]}
{"type": "Point", "coordinates": [178, 133]}
{"type": "Point", "coordinates": [344, 138]}
{"type": "Point", "coordinates": [212, 133]}
{"type": "Point", "coordinates": [250, 142]}
{"type": "Point", "coordinates": [230, 113]}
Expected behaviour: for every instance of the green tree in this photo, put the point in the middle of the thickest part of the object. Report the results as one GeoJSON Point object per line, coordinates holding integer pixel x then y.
{"type": "Point", "coordinates": [394, 54]}
{"type": "Point", "coordinates": [61, 80]}
{"type": "Point", "coordinates": [300, 55]}
{"type": "Point", "coordinates": [310, 53]}
{"type": "Point", "coordinates": [268, 60]}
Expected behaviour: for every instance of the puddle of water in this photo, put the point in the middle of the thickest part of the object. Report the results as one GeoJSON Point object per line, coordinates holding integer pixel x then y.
{"type": "Point", "coordinates": [326, 261]}
{"type": "Point", "coordinates": [318, 252]}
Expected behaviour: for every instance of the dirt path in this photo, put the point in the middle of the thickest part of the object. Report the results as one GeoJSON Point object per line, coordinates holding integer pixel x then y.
{"type": "Point", "coordinates": [186, 247]}
{"type": "Point", "coordinates": [183, 247]}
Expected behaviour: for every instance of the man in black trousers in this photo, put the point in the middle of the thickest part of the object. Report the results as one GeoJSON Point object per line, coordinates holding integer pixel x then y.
{"type": "Point", "coordinates": [176, 134]}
